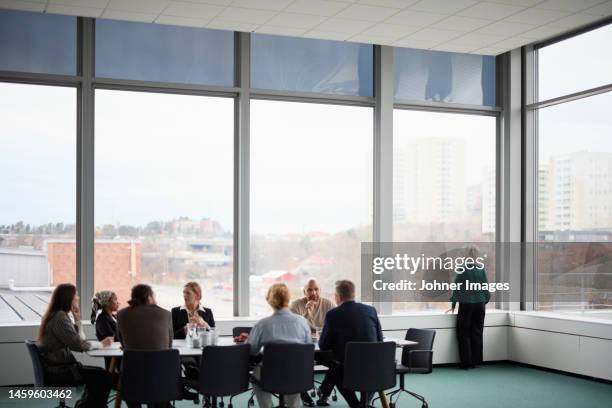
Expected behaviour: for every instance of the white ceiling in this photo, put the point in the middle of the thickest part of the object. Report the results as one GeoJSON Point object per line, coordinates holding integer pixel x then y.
{"type": "Point", "coordinates": [469, 26]}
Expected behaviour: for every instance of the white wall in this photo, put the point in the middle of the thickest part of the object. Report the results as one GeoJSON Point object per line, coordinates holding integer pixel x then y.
{"type": "Point", "coordinates": [582, 346]}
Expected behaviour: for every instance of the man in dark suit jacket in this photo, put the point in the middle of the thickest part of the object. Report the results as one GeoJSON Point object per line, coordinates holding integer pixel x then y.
{"type": "Point", "coordinates": [350, 321]}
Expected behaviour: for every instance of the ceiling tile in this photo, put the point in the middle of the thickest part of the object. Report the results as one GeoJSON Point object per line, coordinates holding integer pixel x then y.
{"type": "Point", "coordinates": [214, 2]}
{"type": "Point", "coordinates": [367, 13]}
{"type": "Point", "coordinates": [481, 40]}
{"type": "Point", "coordinates": [489, 51]}
{"type": "Point", "coordinates": [139, 6]}
{"type": "Point", "coordinates": [574, 20]}
{"type": "Point", "coordinates": [523, 3]}
{"type": "Point", "coordinates": [340, 25]}
{"type": "Point", "coordinates": [375, 39]}
{"type": "Point", "coordinates": [604, 9]}
{"type": "Point", "coordinates": [491, 11]}
{"type": "Point", "coordinates": [512, 43]}
{"type": "Point", "coordinates": [82, 3]}
{"type": "Point", "coordinates": [284, 31]}
{"type": "Point", "coordinates": [232, 25]}
{"type": "Point", "coordinates": [568, 5]}
{"type": "Point", "coordinates": [434, 34]}
{"type": "Point", "coordinates": [192, 10]}
{"type": "Point", "coordinates": [129, 16]}
{"type": "Point", "coordinates": [537, 16]}
{"type": "Point", "coordinates": [542, 32]}
{"type": "Point", "coordinates": [326, 35]}
{"type": "Point", "coordinates": [316, 7]}
{"type": "Point", "coordinates": [182, 21]}
{"type": "Point", "coordinates": [454, 48]}
{"type": "Point", "coordinates": [246, 15]}
{"type": "Point", "coordinates": [505, 28]}
{"type": "Point", "coordinates": [305, 21]}
{"type": "Point", "coordinates": [74, 11]}
{"type": "Point", "coordinates": [442, 6]}
{"type": "Point", "coordinates": [409, 43]}
{"type": "Point", "coordinates": [398, 4]}
{"type": "Point", "coordinates": [460, 23]}
{"type": "Point", "coordinates": [390, 30]}
{"type": "Point", "coordinates": [415, 18]}
{"type": "Point", "coordinates": [274, 5]}
{"type": "Point", "coordinates": [22, 5]}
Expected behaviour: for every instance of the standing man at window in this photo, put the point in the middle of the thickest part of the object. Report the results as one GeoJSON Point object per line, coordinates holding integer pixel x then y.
{"type": "Point", "coordinates": [314, 308]}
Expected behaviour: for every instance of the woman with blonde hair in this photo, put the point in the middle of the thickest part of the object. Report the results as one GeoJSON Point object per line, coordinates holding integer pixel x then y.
{"type": "Point", "coordinates": [191, 312]}
{"type": "Point", "coordinates": [281, 327]}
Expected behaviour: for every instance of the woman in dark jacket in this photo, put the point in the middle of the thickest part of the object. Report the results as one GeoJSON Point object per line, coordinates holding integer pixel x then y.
{"type": "Point", "coordinates": [191, 312]}
{"type": "Point", "coordinates": [471, 315]}
{"type": "Point", "coordinates": [106, 303]}
{"type": "Point", "coordinates": [60, 333]}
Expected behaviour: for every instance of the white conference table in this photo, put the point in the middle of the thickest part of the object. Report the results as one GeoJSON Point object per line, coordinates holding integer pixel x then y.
{"type": "Point", "coordinates": [184, 350]}
{"type": "Point", "coordinates": [114, 351]}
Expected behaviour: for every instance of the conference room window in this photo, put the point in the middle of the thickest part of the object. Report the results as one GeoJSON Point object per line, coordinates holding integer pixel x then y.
{"type": "Point", "coordinates": [444, 184]}
{"type": "Point", "coordinates": [309, 65]}
{"type": "Point", "coordinates": [311, 195]}
{"type": "Point", "coordinates": [574, 217]}
{"type": "Point", "coordinates": [37, 43]}
{"type": "Point", "coordinates": [38, 205]}
{"type": "Point", "coordinates": [164, 53]}
{"type": "Point", "coordinates": [164, 195]}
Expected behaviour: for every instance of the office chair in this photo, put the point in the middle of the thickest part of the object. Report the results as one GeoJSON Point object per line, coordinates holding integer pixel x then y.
{"type": "Point", "coordinates": [286, 369]}
{"type": "Point", "coordinates": [416, 359]}
{"type": "Point", "coordinates": [40, 377]}
{"type": "Point", "coordinates": [224, 371]}
{"type": "Point", "coordinates": [151, 377]}
{"type": "Point", "coordinates": [236, 331]}
{"type": "Point", "coordinates": [369, 367]}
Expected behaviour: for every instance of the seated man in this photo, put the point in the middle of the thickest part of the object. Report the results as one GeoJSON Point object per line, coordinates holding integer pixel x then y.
{"type": "Point", "coordinates": [282, 326]}
{"type": "Point", "coordinates": [350, 321]}
{"type": "Point", "coordinates": [313, 308]}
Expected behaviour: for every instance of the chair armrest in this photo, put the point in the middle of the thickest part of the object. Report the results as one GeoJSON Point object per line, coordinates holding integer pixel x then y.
{"type": "Point", "coordinates": [413, 352]}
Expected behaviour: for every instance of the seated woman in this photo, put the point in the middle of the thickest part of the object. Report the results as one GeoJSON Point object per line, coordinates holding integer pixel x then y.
{"type": "Point", "coordinates": [58, 335]}
{"type": "Point", "coordinates": [192, 312]}
{"type": "Point", "coordinates": [105, 302]}
{"type": "Point", "coordinates": [281, 326]}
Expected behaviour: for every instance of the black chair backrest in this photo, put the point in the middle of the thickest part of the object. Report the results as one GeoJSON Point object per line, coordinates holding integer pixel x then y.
{"type": "Point", "coordinates": [425, 339]}
{"type": "Point", "coordinates": [37, 363]}
{"type": "Point", "coordinates": [224, 370]}
{"type": "Point", "coordinates": [287, 368]}
{"type": "Point", "coordinates": [369, 366]}
{"type": "Point", "coordinates": [236, 331]}
{"type": "Point", "coordinates": [150, 376]}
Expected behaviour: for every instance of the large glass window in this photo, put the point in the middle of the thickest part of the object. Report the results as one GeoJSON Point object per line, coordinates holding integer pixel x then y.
{"type": "Point", "coordinates": [38, 205]}
{"type": "Point", "coordinates": [308, 65]}
{"type": "Point", "coordinates": [443, 181]}
{"type": "Point", "coordinates": [575, 205]}
{"type": "Point", "coordinates": [163, 53]}
{"type": "Point", "coordinates": [38, 43]}
{"type": "Point", "coordinates": [437, 76]}
{"type": "Point", "coordinates": [576, 64]}
{"type": "Point", "coordinates": [164, 195]}
{"type": "Point", "coordinates": [311, 195]}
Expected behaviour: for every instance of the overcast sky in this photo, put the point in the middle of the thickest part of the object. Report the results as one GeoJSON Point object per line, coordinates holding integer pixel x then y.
{"type": "Point", "coordinates": [161, 156]}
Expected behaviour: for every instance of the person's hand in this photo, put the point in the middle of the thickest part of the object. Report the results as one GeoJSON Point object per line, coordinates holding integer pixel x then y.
{"type": "Point", "coordinates": [107, 342]}
{"type": "Point", "coordinates": [241, 338]}
{"type": "Point", "coordinates": [310, 305]}
{"type": "Point", "coordinates": [451, 310]}
{"type": "Point", "coordinates": [76, 312]}
{"type": "Point", "coordinates": [197, 320]}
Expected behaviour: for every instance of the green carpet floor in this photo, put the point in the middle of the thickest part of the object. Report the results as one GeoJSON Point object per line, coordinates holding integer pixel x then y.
{"type": "Point", "coordinates": [502, 385]}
